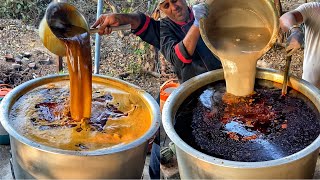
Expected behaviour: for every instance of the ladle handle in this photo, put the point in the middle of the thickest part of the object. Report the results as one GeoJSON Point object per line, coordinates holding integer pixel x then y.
{"type": "Point", "coordinates": [286, 76]}
{"type": "Point", "coordinates": [116, 28]}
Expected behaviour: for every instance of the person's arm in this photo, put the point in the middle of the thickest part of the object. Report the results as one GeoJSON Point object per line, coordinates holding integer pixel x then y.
{"type": "Point", "coordinates": [180, 52]}
{"type": "Point", "coordinates": [143, 26]}
{"type": "Point", "coordinates": [148, 30]}
{"type": "Point", "coordinates": [290, 23]}
{"type": "Point", "coordinates": [105, 21]}
{"type": "Point", "coordinates": [191, 39]}
{"type": "Point", "coordinates": [172, 46]}
{"type": "Point", "coordinates": [290, 20]}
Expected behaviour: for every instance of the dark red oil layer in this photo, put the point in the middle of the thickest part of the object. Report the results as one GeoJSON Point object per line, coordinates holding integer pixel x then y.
{"type": "Point", "coordinates": [49, 112]}
{"type": "Point", "coordinates": [264, 126]}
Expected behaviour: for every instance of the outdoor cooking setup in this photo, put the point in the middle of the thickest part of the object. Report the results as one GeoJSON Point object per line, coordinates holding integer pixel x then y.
{"type": "Point", "coordinates": [230, 123]}
{"type": "Point", "coordinates": [241, 134]}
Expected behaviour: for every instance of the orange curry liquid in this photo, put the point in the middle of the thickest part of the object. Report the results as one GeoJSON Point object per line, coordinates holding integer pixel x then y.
{"type": "Point", "coordinates": [80, 69]}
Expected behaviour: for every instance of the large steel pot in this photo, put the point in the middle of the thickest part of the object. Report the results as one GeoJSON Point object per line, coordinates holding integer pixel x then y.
{"type": "Point", "coordinates": [33, 160]}
{"type": "Point", "coordinates": [197, 165]}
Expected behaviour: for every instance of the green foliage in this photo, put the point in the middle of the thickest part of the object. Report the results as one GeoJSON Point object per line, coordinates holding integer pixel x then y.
{"type": "Point", "coordinates": [139, 52]}
{"type": "Point", "coordinates": [29, 11]}
{"type": "Point", "coordinates": [135, 67]}
{"type": "Point", "coordinates": [32, 11]}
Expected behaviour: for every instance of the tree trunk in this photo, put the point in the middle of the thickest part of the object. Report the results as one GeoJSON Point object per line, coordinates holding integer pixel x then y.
{"type": "Point", "coordinates": [278, 6]}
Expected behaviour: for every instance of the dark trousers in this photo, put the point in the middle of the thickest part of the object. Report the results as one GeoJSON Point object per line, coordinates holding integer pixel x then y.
{"type": "Point", "coordinates": [154, 166]}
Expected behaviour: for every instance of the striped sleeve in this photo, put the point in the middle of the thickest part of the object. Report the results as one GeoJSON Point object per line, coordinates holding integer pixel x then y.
{"type": "Point", "coordinates": [182, 53]}
{"type": "Point", "coordinates": [148, 30]}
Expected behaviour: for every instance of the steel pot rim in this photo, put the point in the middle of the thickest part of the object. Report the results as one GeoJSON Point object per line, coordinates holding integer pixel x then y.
{"type": "Point", "coordinates": [6, 104]}
{"type": "Point", "coordinates": [169, 114]}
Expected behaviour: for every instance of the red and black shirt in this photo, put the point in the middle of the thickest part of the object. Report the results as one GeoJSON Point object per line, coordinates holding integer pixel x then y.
{"type": "Point", "coordinates": [148, 30]}
{"type": "Point", "coordinates": [185, 65]}
{"type": "Point", "coordinates": [167, 36]}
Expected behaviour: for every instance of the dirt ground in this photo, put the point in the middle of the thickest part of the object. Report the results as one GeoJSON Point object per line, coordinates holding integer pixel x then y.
{"type": "Point", "coordinates": [20, 41]}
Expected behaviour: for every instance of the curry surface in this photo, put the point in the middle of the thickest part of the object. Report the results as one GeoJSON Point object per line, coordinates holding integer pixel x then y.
{"type": "Point", "coordinates": [43, 115]}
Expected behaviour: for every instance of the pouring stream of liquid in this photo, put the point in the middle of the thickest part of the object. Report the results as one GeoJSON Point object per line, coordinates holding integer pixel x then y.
{"type": "Point", "coordinates": [239, 49]}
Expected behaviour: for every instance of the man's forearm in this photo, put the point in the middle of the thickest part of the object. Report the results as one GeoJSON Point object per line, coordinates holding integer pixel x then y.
{"type": "Point", "coordinates": [191, 39]}
{"type": "Point", "coordinates": [132, 18]}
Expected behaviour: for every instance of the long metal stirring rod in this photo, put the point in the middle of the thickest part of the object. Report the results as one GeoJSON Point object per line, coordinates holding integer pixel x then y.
{"type": "Point", "coordinates": [286, 76]}
{"type": "Point", "coordinates": [116, 28]}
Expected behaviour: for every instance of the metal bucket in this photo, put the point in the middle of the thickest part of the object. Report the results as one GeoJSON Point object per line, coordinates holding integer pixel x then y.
{"type": "Point", "coordinates": [33, 160]}
{"type": "Point", "coordinates": [196, 165]}
{"type": "Point", "coordinates": [239, 13]}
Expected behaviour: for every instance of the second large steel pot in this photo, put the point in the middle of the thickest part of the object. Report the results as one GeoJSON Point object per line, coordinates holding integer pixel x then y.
{"type": "Point", "coordinates": [194, 164]}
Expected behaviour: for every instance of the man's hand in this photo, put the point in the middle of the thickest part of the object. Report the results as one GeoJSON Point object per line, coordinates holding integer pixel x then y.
{"type": "Point", "coordinates": [199, 11]}
{"type": "Point", "coordinates": [105, 21]}
{"type": "Point", "coordinates": [294, 42]}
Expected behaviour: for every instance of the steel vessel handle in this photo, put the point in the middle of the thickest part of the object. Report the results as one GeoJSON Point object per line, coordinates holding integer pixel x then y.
{"type": "Point", "coordinates": [116, 28]}
{"type": "Point", "coordinates": [286, 76]}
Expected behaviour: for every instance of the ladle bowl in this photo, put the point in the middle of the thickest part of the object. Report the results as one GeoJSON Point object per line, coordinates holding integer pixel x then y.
{"type": "Point", "coordinates": [239, 33]}
{"type": "Point", "coordinates": [57, 14]}
{"type": "Point", "coordinates": [59, 18]}
{"type": "Point", "coordinates": [239, 13]}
